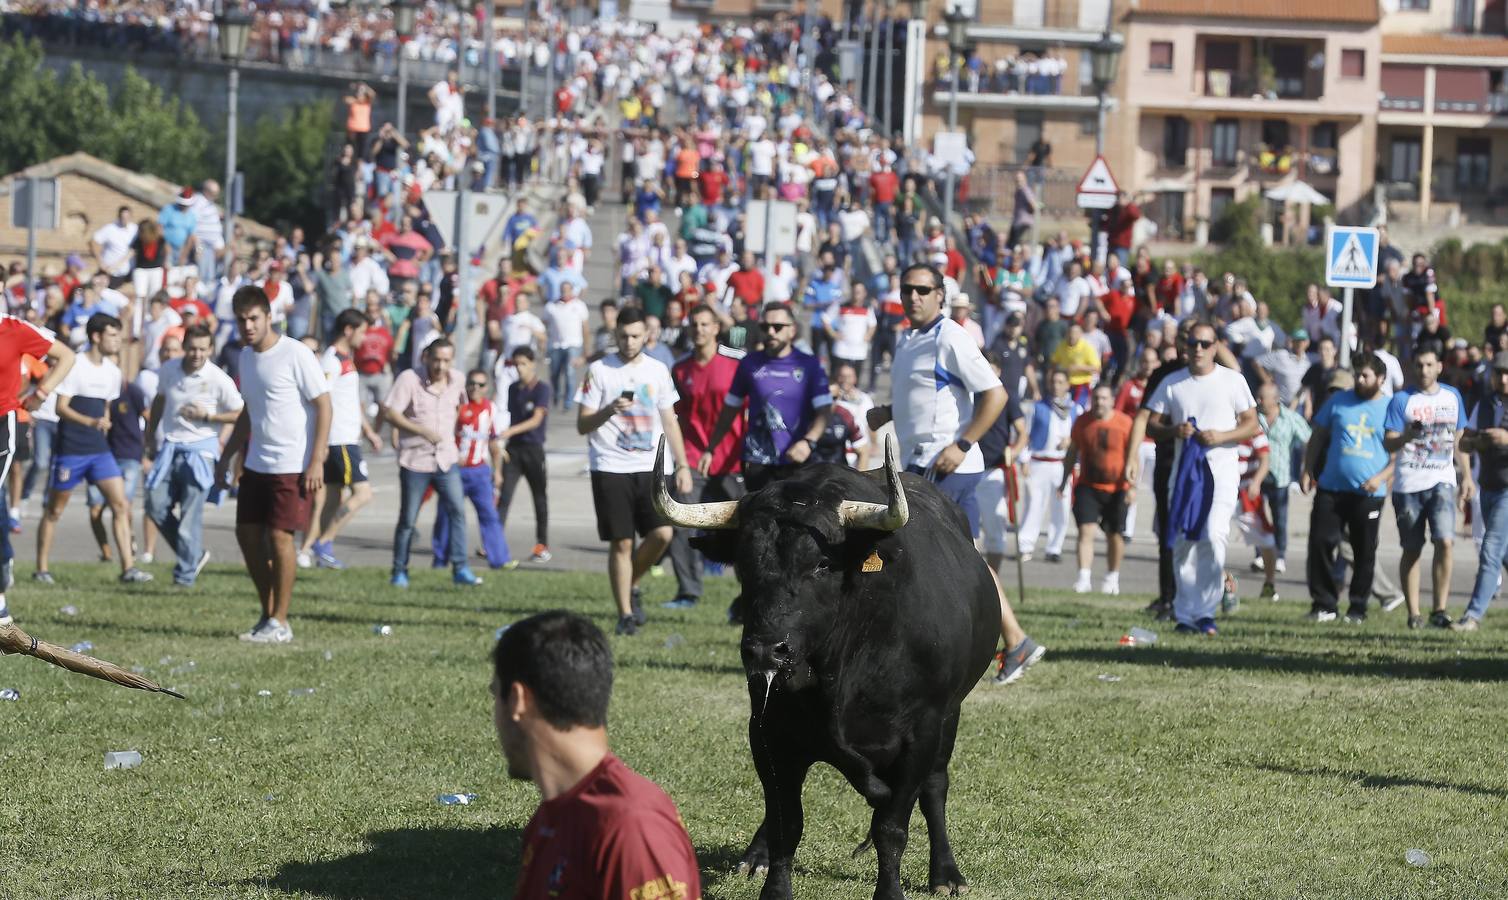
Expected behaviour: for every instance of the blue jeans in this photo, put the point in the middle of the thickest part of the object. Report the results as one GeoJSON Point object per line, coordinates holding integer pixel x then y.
{"type": "Point", "coordinates": [884, 216]}
{"type": "Point", "coordinates": [447, 485]}
{"type": "Point", "coordinates": [1277, 501]}
{"type": "Point", "coordinates": [560, 374]}
{"type": "Point", "coordinates": [183, 530]}
{"type": "Point", "coordinates": [961, 489]}
{"type": "Point", "coordinates": [1434, 506]}
{"type": "Point", "coordinates": [1494, 546]}
{"type": "Point", "coordinates": [43, 436]}
{"type": "Point", "coordinates": [476, 482]}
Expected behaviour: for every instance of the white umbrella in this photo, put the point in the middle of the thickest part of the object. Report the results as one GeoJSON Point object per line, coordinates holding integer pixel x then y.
{"type": "Point", "coordinates": [1296, 192]}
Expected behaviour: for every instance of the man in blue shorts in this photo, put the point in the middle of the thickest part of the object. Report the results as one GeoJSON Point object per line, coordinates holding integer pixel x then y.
{"type": "Point", "coordinates": [83, 453]}
{"type": "Point", "coordinates": [946, 397]}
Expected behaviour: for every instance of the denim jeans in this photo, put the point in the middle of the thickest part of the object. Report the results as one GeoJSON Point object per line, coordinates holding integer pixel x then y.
{"type": "Point", "coordinates": [43, 436]}
{"type": "Point", "coordinates": [476, 484]}
{"type": "Point", "coordinates": [1494, 545]}
{"type": "Point", "coordinates": [447, 485]}
{"type": "Point", "coordinates": [1277, 501]}
{"type": "Point", "coordinates": [884, 217]}
{"type": "Point", "coordinates": [560, 373]}
{"type": "Point", "coordinates": [183, 530]}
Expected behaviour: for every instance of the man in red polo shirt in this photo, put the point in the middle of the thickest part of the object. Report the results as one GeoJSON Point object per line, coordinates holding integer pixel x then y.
{"type": "Point", "coordinates": [601, 830]}
{"type": "Point", "coordinates": [883, 186]}
{"type": "Point", "coordinates": [747, 284]}
{"type": "Point", "coordinates": [712, 182]}
{"type": "Point", "coordinates": [703, 379]}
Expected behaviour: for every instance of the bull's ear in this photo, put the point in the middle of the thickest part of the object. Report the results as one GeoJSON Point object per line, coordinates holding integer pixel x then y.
{"type": "Point", "coordinates": [718, 546]}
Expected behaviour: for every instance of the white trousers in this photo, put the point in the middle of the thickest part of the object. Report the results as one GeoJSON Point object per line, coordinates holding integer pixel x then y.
{"type": "Point", "coordinates": [1147, 453]}
{"type": "Point", "coordinates": [1043, 499]}
{"type": "Point", "coordinates": [994, 516]}
{"type": "Point", "coordinates": [1199, 566]}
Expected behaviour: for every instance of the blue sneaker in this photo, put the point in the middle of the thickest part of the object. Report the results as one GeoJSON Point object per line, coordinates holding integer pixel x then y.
{"type": "Point", "coordinates": [399, 580]}
{"type": "Point", "coordinates": [680, 603]}
{"type": "Point", "coordinates": [324, 556]}
{"type": "Point", "coordinates": [1206, 627]}
{"type": "Point", "coordinates": [464, 576]}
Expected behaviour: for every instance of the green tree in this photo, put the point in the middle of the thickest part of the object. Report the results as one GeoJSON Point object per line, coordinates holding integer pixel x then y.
{"type": "Point", "coordinates": [134, 126]}
{"type": "Point", "coordinates": [284, 161]}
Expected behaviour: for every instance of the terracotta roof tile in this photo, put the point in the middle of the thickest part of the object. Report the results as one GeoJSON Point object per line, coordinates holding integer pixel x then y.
{"type": "Point", "coordinates": [1363, 11]}
{"type": "Point", "coordinates": [1445, 45]}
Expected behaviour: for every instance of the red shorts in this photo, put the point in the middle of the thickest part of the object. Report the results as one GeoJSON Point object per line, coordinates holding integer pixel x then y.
{"type": "Point", "coordinates": [274, 501]}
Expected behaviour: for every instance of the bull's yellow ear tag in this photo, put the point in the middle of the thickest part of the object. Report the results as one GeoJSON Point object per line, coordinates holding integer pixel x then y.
{"type": "Point", "coordinates": [873, 563]}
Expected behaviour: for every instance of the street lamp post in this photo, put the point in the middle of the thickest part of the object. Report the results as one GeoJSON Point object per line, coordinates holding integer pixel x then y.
{"type": "Point", "coordinates": [870, 99]}
{"type": "Point", "coordinates": [489, 56]}
{"type": "Point", "coordinates": [235, 27]}
{"type": "Point", "coordinates": [889, 115]}
{"type": "Point", "coordinates": [404, 12]}
{"type": "Point", "coordinates": [1104, 58]}
{"type": "Point", "coordinates": [958, 24]}
{"type": "Point", "coordinates": [918, 15]}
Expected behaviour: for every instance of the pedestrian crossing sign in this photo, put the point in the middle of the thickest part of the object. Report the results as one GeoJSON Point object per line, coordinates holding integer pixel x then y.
{"type": "Point", "coordinates": [1351, 257]}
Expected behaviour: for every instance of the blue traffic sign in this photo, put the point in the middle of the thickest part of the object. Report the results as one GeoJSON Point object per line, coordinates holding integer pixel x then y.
{"type": "Point", "coordinates": [1351, 257]}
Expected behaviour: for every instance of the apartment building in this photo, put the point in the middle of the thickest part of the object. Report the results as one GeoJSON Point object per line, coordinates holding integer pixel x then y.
{"type": "Point", "coordinates": [1227, 98]}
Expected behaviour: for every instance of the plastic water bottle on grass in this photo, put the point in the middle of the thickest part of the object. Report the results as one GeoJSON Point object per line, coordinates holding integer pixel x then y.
{"type": "Point", "coordinates": [122, 759]}
{"type": "Point", "coordinates": [455, 799]}
{"type": "Point", "coordinates": [1138, 637]}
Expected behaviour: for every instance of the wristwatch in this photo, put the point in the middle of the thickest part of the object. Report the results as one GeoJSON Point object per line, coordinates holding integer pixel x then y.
{"type": "Point", "coordinates": [964, 445]}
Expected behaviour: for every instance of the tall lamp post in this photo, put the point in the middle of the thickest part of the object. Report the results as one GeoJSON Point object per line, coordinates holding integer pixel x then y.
{"type": "Point", "coordinates": [871, 88]}
{"type": "Point", "coordinates": [235, 28]}
{"type": "Point", "coordinates": [958, 36]}
{"type": "Point", "coordinates": [919, 15]}
{"type": "Point", "coordinates": [887, 119]}
{"type": "Point", "coordinates": [404, 13]}
{"type": "Point", "coordinates": [1104, 59]}
{"type": "Point", "coordinates": [489, 55]}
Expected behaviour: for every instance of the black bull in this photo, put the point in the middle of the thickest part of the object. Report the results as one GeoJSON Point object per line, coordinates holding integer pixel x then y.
{"type": "Point", "coordinates": [860, 645]}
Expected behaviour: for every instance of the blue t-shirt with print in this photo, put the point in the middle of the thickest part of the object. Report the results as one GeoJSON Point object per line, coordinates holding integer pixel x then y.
{"type": "Point", "coordinates": [782, 395]}
{"type": "Point", "coordinates": [1355, 452]}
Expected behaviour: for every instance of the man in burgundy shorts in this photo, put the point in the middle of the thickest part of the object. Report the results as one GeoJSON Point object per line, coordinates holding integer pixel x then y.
{"type": "Point", "coordinates": [602, 830]}
{"type": "Point", "coordinates": [283, 430]}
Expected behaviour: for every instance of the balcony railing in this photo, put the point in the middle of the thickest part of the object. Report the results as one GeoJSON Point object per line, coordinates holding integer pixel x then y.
{"type": "Point", "coordinates": [1493, 104]}
{"type": "Point", "coordinates": [1012, 80]}
{"type": "Point", "coordinates": [1401, 103]}
{"type": "Point", "coordinates": [1239, 86]}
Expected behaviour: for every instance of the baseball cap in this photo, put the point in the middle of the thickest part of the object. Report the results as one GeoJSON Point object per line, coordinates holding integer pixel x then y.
{"type": "Point", "coordinates": [962, 300]}
{"type": "Point", "coordinates": [1300, 334]}
{"type": "Point", "coordinates": [185, 197]}
{"type": "Point", "coordinates": [1341, 380]}
{"type": "Point", "coordinates": [1500, 361]}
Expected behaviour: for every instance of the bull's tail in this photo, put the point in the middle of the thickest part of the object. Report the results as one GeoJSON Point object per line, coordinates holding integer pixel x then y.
{"type": "Point", "coordinates": [864, 847]}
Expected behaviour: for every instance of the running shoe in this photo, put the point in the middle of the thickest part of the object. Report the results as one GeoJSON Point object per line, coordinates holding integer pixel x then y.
{"type": "Point", "coordinates": [5, 616]}
{"type": "Point", "coordinates": [1111, 584]}
{"type": "Point", "coordinates": [271, 632]}
{"type": "Point", "coordinates": [1440, 619]}
{"type": "Point", "coordinates": [1015, 662]}
{"type": "Point", "coordinates": [134, 575]}
{"type": "Point", "coordinates": [627, 626]}
{"type": "Point", "coordinates": [465, 577]}
{"type": "Point", "coordinates": [1269, 592]}
{"type": "Point", "coordinates": [305, 560]}
{"type": "Point", "coordinates": [324, 556]}
{"type": "Point", "coordinates": [203, 561]}
{"type": "Point", "coordinates": [399, 580]}
{"type": "Point", "coordinates": [1416, 622]}
{"type": "Point", "coordinates": [262, 625]}
{"type": "Point", "coordinates": [1321, 615]}
{"type": "Point", "coordinates": [541, 554]}
{"type": "Point", "coordinates": [43, 578]}
{"type": "Point", "coordinates": [680, 603]}
{"type": "Point", "coordinates": [1465, 623]}
{"type": "Point", "coordinates": [1356, 618]}
{"type": "Point", "coordinates": [1206, 627]}
{"type": "Point", "coordinates": [1084, 584]}
{"type": "Point", "coordinates": [1054, 557]}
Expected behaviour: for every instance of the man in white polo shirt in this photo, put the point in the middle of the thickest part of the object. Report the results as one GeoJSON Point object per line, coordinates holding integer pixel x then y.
{"type": "Point", "coordinates": [194, 399]}
{"type": "Point", "coordinates": [283, 430]}
{"type": "Point", "coordinates": [938, 372]}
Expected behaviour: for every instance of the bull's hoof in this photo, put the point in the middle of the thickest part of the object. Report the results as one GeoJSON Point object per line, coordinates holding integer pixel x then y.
{"type": "Point", "coordinates": [747, 871]}
{"type": "Point", "coordinates": [950, 890]}
{"type": "Point", "coordinates": [945, 880]}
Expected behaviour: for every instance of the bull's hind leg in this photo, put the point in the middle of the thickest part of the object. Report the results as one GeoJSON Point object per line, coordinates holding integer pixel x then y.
{"type": "Point", "coordinates": [773, 849]}
{"type": "Point", "coordinates": [943, 876]}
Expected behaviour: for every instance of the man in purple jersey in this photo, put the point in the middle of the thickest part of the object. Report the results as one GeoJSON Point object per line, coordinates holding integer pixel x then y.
{"type": "Point", "coordinates": [785, 392]}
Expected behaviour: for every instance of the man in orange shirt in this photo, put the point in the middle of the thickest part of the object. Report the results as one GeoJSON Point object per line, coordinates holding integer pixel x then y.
{"type": "Point", "coordinates": [687, 161]}
{"type": "Point", "coordinates": [1099, 500]}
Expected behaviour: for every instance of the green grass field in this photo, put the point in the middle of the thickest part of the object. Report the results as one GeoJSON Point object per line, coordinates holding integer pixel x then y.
{"type": "Point", "coordinates": [1279, 760]}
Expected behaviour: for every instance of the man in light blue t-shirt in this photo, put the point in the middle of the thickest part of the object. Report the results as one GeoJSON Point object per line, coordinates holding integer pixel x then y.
{"type": "Point", "coordinates": [1354, 467]}
{"type": "Point", "coordinates": [1422, 426]}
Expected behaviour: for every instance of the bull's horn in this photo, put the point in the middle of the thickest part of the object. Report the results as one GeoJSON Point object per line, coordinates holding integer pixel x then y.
{"type": "Point", "coordinates": [879, 516]}
{"type": "Point", "coordinates": [707, 516]}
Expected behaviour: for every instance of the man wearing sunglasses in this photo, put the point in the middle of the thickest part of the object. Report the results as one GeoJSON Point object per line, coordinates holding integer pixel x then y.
{"type": "Point", "coordinates": [1212, 406]}
{"type": "Point", "coordinates": [945, 399]}
{"type": "Point", "coordinates": [785, 392]}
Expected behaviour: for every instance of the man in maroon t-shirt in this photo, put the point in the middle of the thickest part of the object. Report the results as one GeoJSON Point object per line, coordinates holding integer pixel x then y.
{"type": "Point", "coordinates": [703, 379]}
{"type": "Point", "coordinates": [602, 831]}
{"type": "Point", "coordinates": [883, 186]}
{"type": "Point", "coordinates": [747, 283]}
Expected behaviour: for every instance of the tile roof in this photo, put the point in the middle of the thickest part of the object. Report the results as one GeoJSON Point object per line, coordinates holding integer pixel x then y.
{"type": "Point", "coordinates": [1446, 45]}
{"type": "Point", "coordinates": [1362, 11]}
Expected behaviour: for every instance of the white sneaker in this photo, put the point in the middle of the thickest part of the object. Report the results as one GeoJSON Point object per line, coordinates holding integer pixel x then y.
{"type": "Point", "coordinates": [5, 616]}
{"type": "Point", "coordinates": [273, 632]}
{"type": "Point", "coordinates": [1281, 566]}
{"type": "Point", "coordinates": [1111, 585]}
{"type": "Point", "coordinates": [146, 559]}
{"type": "Point", "coordinates": [305, 560]}
{"type": "Point", "coordinates": [255, 630]}
{"type": "Point", "coordinates": [1084, 584]}
{"type": "Point", "coordinates": [1256, 565]}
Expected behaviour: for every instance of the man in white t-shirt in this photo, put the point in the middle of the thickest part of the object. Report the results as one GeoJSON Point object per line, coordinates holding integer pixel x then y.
{"type": "Point", "coordinates": [345, 469]}
{"type": "Point", "coordinates": [1421, 430]}
{"type": "Point", "coordinates": [851, 327]}
{"type": "Point", "coordinates": [283, 431]}
{"type": "Point", "coordinates": [627, 403]}
{"type": "Point", "coordinates": [761, 165]}
{"type": "Point", "coordinates": [195, 398]}
{"type": "Point", "coordinates": [1213, 406]}
{"type": "Point", "coordinates": [568, 325]}
{"type": "Point", "coordinates": [83, 451]}
{"type": "Point", "coordinates": [946, 399]}
{"type": "Point", "coordinates": [111, 245]}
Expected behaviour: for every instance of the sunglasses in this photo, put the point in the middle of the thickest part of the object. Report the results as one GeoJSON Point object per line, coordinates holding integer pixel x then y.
{"type": "Point", "coordinates": [776, 326]}
{"type": "Point", "coordinates": [909, 289]}
{"type": "Point", "coordinates": [476, 384]}
{"type": "Point", "coordinates": [1200, 345]}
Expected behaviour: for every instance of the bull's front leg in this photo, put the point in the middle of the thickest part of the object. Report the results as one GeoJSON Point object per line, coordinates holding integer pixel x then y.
{"type": "Point", "coordinates": [781, 774]}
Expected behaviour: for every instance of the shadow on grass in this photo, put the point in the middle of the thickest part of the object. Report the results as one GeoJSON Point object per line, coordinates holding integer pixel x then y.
{"type": "Point", "coordinates": [1455, 668]}
{"type": "Point", "coordinates": [1371, 780]}
{"type": "Point", "coordinates": [414, 863]}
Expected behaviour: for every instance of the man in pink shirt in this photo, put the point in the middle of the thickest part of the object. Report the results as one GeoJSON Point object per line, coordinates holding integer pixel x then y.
{"type": "Point", "coordinates": [407, 251]}
{"type": "Point", "coordinates": [423, 405]}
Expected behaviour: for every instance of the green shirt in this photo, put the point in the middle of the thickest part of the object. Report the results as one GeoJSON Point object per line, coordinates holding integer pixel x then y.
{"type": "Point", "coordinates": [1283, 435]}
{"type": "Point", "coordinates": [693, 218]}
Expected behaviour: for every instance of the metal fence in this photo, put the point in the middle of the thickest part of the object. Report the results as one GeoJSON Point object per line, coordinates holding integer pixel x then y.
{"type": "Point", "coordinates": [992, 191]}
